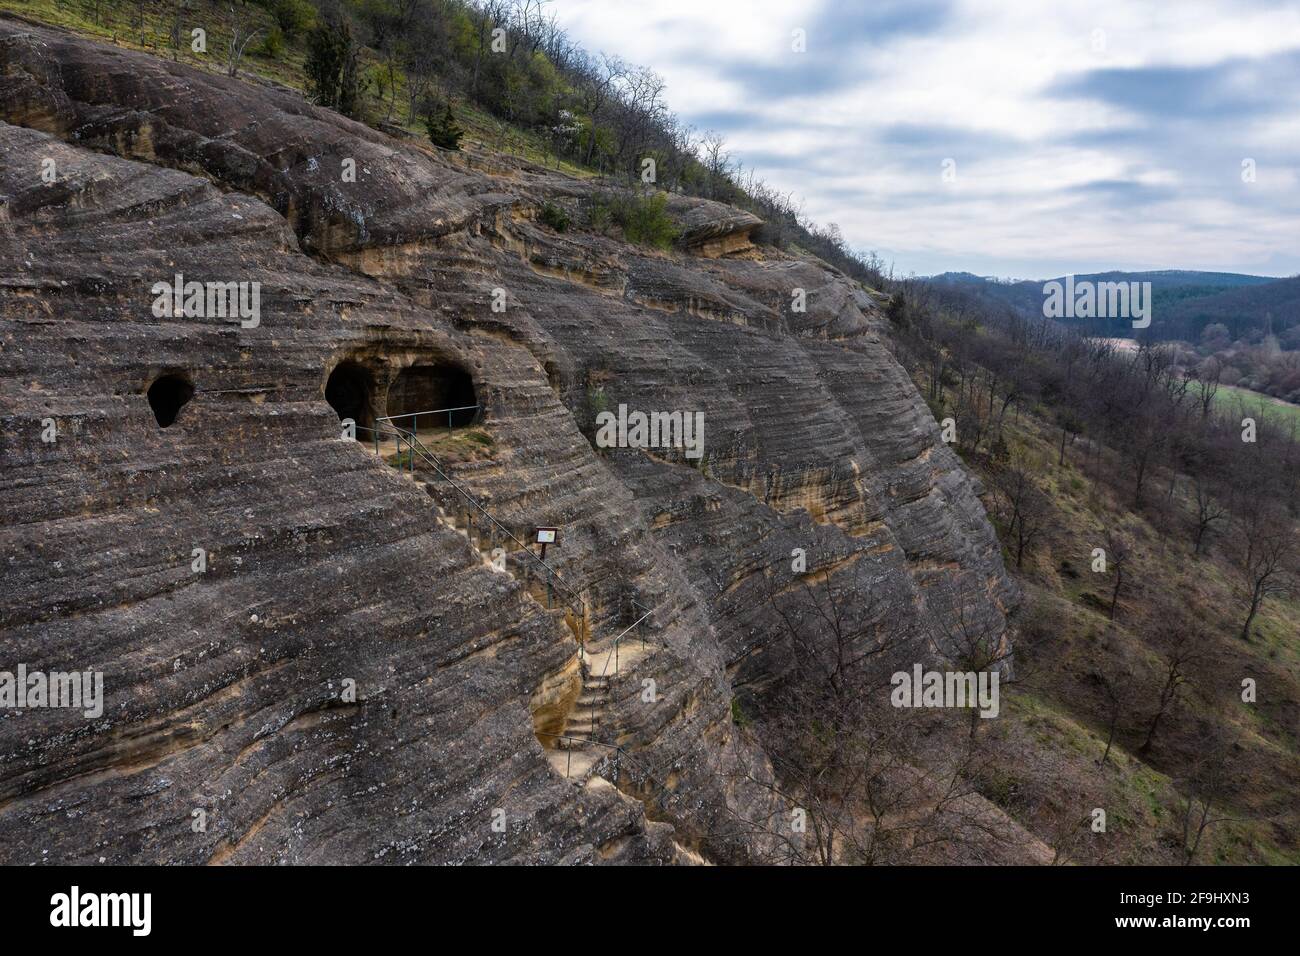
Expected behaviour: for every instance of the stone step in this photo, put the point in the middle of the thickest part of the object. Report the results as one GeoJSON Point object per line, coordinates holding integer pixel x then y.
{"type": "Point", "coordinates": [572, 742]}
{"type": "Point", "coordinates": [573, 765]}
{"type": "Point", "coordinates": [597, 698]}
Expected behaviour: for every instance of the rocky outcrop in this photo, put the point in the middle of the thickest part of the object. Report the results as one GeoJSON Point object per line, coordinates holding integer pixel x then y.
{"type": "Point", "coordinates": [711, 229]}
{"type": "Point", "coordinates": [349, 680]}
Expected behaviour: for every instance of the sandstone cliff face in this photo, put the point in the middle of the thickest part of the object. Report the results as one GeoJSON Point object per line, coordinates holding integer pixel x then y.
{"type": "Point", "coordinates": [328, 569]}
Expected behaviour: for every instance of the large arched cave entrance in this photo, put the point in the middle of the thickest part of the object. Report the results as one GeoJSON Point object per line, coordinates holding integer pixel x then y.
{"type": "Point", "coordinates": [349, 391]}
{"type": "Point", "coordinates": [423, 388]}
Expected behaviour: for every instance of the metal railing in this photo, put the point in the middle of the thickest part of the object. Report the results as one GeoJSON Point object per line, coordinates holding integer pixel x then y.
{"type": "Point", "coordinates": [604, 671]}
{"type": "Point", "coordinates": [414, 449]}
{"type": "Point", "coordinates": [623, 754]}
{"type": "Point", "coordinates": [385, 429]}
{"type": "Point", "coordinates": [415, 417]}
{"type": "Point", "coordinates": [408, 443]}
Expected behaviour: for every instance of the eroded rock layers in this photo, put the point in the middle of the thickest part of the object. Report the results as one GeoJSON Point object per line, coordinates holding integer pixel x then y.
{"type": "Point", "coordinates": [347, 679]}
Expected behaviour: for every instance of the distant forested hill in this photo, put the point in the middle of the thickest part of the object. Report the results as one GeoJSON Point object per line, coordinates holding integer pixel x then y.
{"type": "Point", "coordinates": [1274, 307]}
{"type": "Point", "coordinates": [1184, 301]}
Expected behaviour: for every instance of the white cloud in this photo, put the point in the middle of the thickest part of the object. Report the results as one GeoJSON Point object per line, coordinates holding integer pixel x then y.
{"type": "Point", "coordinates": [1045, 176]}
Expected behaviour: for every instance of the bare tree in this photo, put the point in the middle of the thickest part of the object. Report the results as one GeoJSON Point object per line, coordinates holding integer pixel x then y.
{"type": "Point", "coordinates": [1113, 692]}
{"type": "Point", "coordinates": [1266, 544]}
{"type": "Point", "coordinates": [1207, 510]}
{"type": "Point", "coordinates": [1071, 426]}
{"type": "Point", "coordinates": [179, 9]}
{"type": "Point", "coordinates": [1207, 384]}
{"type": "Point", "coordinates": [1182, 655]}
{"type": "Point", "coordinates": [242, 32]}
{"type": "Point", "coordinates": [1027, 512]}
{"type": "Point", "coordinates": [493, 15]}
{"type": "Point", "coordinates": [643, 95]}
{"type": "Point", "coordinates": [603, 75]}
{"type": "Point", "coordinates": [716, 160]}
{"type": "Point", "coordinates": [389, 24]}
{"type": "Point", "coordinates": [1206, 786]}
{"type": "Point", "coordinates": [863, 774]}
{"type": "Point", "coordinates": [969, 641]}
{"type": "Point", "coordinates": [1119, 552]}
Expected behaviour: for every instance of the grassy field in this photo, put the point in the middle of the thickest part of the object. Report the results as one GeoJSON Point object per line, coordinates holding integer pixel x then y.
{"type": "Point", "coordinates": [1242, 402]}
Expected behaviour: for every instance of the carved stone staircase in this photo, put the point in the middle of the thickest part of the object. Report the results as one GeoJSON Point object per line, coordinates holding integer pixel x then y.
{"type": "Point", "coordinates": [583, 722]}
{"type": "Point", "coordinates": [579, 747]}
{"type": "Point", "coordinates": [587, 737]}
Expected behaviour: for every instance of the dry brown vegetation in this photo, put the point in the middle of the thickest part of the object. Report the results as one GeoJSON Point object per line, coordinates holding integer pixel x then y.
{"type": "Point", "coordinates": [1130, 695]}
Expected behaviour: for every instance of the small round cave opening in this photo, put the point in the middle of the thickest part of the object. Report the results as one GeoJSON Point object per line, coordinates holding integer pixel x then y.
{"type": "Point", "coordinates": [424, 388]}
{"type": "Point", "coordinates": [167, 396]}
{"type": "Point", "coordinates": [348, 391]}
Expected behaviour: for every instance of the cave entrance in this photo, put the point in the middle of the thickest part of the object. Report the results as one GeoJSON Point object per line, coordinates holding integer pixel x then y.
{"type": "Point", "coordinates": [424, 388]}
{"type": "Point", "coordinates": [349, 390]}
{"type": "Point", "coordinates": [167, 396]}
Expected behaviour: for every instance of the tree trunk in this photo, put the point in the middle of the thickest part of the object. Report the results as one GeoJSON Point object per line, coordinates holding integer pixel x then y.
{"type": "Point", "coordinates": [1110, 735]}
{"type": "Point", "coordinates": [1151, 732]}
{"type": "Point", "coordinates": [1250, 618]}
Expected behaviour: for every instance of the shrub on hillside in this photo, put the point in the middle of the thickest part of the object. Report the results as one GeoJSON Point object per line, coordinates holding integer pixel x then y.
{"type": "Point", "coordinates": [272, 44]}
{"type": "Point", "coordinates": [291, 16]}
{"type": "Point", "coordinates": [555, 217]}
{"type": "Point", "coordinates": [896, 308]}
{"type": "Point", "coordinates": [644, 219]}
{"type": "Point", "coordinates": [442, 127]}
{"type": "Point", "coordinates": [596, 215]}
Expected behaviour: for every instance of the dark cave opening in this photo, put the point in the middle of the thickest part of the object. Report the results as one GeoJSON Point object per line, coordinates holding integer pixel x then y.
{"type": "Point", "coordinates": [423, 388]}
{"type": "Point", "coordinates": [167, 396]}
{"type": "Point", "coordinates": [349, 390]}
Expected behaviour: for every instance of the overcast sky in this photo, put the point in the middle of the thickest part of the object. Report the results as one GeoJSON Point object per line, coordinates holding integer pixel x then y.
{"type": "Point", "coordinates": [1085, 136]}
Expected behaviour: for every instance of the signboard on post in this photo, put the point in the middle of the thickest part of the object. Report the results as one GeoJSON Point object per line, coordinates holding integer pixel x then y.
{"type": "Point", "coordinates": [545, 536]}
